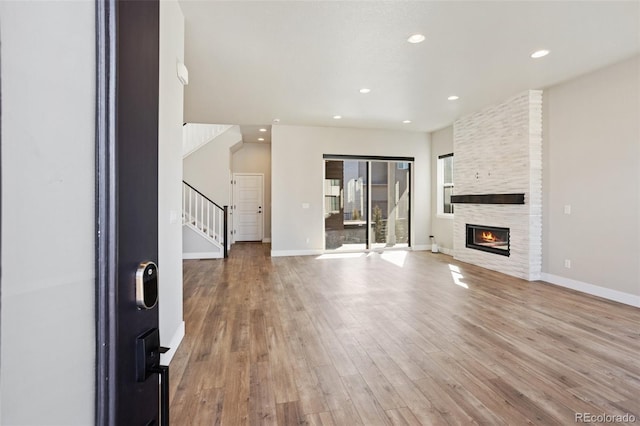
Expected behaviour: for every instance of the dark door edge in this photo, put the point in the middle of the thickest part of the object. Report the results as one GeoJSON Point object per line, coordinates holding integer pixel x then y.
{"type": "Point", "coordinates": [105, 211]}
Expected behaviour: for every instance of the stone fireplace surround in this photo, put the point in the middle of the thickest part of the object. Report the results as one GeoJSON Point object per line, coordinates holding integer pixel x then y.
{"type": "Point", "coordinates": [499, 151]}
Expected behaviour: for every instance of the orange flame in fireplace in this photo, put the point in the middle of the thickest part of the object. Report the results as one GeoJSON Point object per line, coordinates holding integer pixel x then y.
{"type": "Point", "coordinates": [488, 236]}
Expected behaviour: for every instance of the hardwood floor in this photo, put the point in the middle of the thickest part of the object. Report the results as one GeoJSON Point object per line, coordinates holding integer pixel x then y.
{"type": "Point", "coordinates": [401, 338]}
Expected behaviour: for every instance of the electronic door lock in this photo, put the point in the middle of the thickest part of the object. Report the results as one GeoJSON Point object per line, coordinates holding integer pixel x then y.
{"type": "Point", "coordinates": [147, 285]}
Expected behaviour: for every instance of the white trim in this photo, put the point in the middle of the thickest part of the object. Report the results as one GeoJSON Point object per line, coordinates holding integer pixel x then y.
{"type": "Point", "coordinates": [445, 250]}
{"type": "Point", "coordinates": [174, 343]}
{"type": "Point", "coordinates": [266, 240]}
{"type": "Point", "coordinates": [281, 253]}
{"type": "Point", "coordinates": [605, 293]}
{"type": "Point", "coordinates": [202, 255]}
{"type": "Point", "coordinates": [427, 247]}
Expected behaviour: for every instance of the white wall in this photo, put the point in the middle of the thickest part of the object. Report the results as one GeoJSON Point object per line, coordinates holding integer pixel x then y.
{"type": "Point", "coordinates": [48, 114]}
{"type": "Point", "coordinates": [208, 169]}
{"type": "Point", "coordinates": [197, 246]}
{"type": "Point", "coordinates": [256, 158]}
{"type": "Point", "coordinates": [442, 228]}
{"type": "Point", "coordinates": [297, 170]}
{"type": "Point", "coordinates": [592, 163]}
{"type": "Point", "coordinates": [170, 176]}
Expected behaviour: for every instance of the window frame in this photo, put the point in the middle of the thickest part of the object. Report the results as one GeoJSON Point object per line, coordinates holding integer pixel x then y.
{"type": "Point", "coordinates": [441, 185]}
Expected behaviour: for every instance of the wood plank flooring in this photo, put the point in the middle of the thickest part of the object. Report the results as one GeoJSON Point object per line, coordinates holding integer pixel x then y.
{"type": "Point", "coordinates": [403, 338]}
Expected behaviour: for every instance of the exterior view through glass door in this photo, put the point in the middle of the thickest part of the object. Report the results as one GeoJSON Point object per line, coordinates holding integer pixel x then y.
{"type": "Point", "coordinates": [367, 202]}
{"type": "Point", "coordinates": [346, 204]}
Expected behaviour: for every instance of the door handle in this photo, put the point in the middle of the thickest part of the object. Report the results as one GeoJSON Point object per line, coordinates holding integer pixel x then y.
{"type": "Point", "coordinates": [163, 371]}
{"type": "Point", "coordinates": [148, 352]}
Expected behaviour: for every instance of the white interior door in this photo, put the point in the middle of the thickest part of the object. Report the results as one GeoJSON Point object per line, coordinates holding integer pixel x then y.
{"type": "Point", "coordinates": [248, 206]}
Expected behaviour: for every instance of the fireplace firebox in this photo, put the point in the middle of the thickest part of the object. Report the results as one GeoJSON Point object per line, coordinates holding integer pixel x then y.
{"type": "Point", "coordinates": [488, 238]}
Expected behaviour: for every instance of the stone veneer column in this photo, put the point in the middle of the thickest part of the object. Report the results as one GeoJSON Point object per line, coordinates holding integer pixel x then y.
{"type": "Point", "coordinates": [499, 150]}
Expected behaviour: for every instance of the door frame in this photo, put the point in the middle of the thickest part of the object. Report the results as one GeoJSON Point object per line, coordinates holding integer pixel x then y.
{"type": "Point", "coordinates": [234, 198]}
{"type": "Point", "coordinates": [369, 159]}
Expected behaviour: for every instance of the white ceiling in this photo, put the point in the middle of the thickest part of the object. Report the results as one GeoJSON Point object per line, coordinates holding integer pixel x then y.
{"type": "Point", "coordinates": [305, 61]}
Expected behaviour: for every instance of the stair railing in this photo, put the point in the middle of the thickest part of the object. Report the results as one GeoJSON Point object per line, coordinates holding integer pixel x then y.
{"type": "Point", "coordinates": [205, 215]}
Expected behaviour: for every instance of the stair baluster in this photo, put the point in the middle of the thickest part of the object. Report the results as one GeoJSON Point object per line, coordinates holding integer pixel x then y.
{"type": "Point", "coordinates": [211, 220]}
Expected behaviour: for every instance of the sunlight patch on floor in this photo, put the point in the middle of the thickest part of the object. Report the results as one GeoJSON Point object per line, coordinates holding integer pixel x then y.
{"type": "Point", "coordinates": [351, 247]}
{"type": "Point", "coordinates": [457, 276]}
{"type": "Point", "coordinates": [396, 257]}
{"type": "Point", "coordinates": [339, 256]}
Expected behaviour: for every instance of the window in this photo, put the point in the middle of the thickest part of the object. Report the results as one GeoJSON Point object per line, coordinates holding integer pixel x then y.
{"type": "Point", "coordinates": [445, 185]}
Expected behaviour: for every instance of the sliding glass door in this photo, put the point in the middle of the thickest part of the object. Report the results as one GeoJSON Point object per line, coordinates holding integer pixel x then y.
{"type": "Point", "coordinates": [367, 203]}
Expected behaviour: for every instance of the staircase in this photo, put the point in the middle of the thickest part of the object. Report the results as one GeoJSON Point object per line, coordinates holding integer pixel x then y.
{"type": "Point", "coordinates": [205, 226]}
{"type": "Point", "coordinates": [195, 136]}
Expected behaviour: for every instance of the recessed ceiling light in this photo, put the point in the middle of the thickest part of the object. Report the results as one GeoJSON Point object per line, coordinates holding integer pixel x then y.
{"type": "Point", "coordinates": [539, 53]}
{"type": "Point", "coordinates": [416, 38]}
{"type": "Point", "coordinates": [263, 130]}
{"type": "Point", "coordinates": [453, 98]}
{"type": "Point", "coordinates": [365, 90]}
{"type": "Point", "coordinates": [260, 139]}
{"type": "Point", "coordinates": [337, 117]}
{"type": "Point", "coordinates": [407, 121]}
{"type": "Point", "coordinates": [276, 120]}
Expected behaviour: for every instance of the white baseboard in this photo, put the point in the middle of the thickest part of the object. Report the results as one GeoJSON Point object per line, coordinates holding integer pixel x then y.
{"type": "Point", "coordinates": [205, 255]}
{"type": "Point", "coordinates": [428, 248]}
{"type": "Point", "coordinates": [281, 253]}
{"type": "Point", "coordinates": [605, 293]}
{"type": "Point", "coordinates": [174, 343]}
{"type": "Point", "coordinates": [266, 240]}
{"type": "Point", "coordinates": [445, 250]}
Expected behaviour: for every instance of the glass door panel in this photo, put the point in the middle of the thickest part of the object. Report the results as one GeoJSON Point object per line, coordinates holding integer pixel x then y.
{"type": "Point", "coordinates": [390, 204]}
{"type": "Point", "coordinates": [345, 212]}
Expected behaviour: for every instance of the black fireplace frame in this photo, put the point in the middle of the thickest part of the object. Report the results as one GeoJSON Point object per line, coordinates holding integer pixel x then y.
{"type": "Point", "coordinates": [471, 245]}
